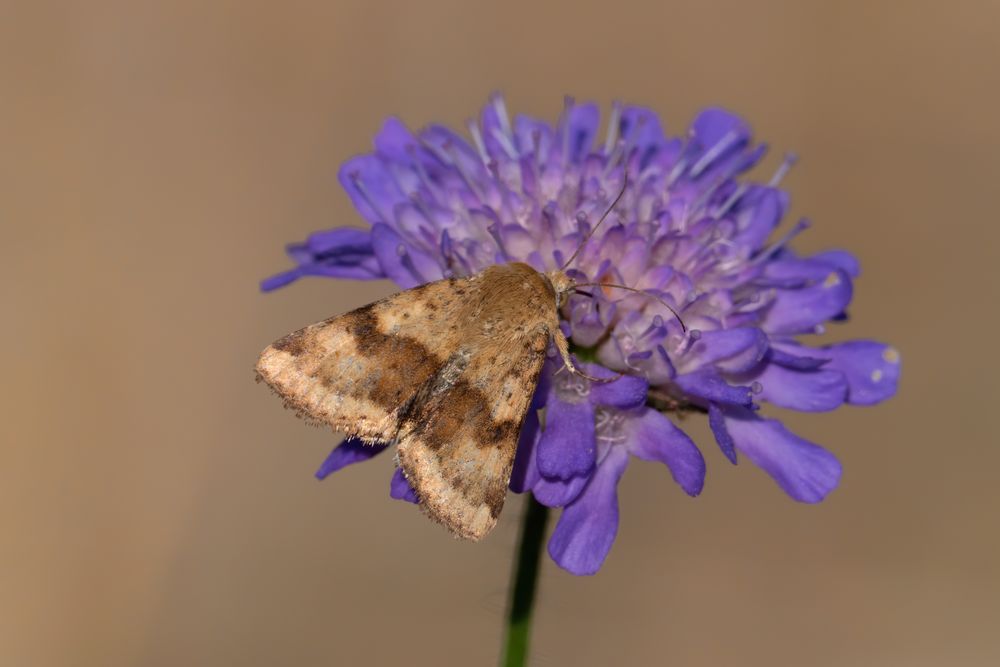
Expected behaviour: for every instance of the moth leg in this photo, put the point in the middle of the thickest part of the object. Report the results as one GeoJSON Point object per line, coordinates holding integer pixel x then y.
{"type": "Point", "coordinates": [563, 346]}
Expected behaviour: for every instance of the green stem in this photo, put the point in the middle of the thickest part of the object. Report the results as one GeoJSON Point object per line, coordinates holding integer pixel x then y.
{"type": "Point", "coordinates": [525, 578]}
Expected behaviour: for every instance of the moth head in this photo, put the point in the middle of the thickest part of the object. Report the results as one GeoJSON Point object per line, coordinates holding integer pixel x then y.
{"type": "Point", "coordinates": [561, 284]}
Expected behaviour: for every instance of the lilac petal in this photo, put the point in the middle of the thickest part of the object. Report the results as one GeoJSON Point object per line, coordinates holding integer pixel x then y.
{"type": "Point", "coordinates": [280, 280]}
{"type": "Point", "coordinates": [840, 259]}
{"type": "Point", "coordinates": [640, 127]}
{"type": "Point", "coordinates": [714, 125]}
{"type": "Point", "coordinates": [805, 471]}
{"type": "Point", "coordinates": [556, 492]}
{"type": "Point", "coordinates": [345, 252]}
{"type": "Point", "coordinates": [627, 391]}
{"type": "Point", "coordinates": [494, 127]}
{"type": "Point", "coordinates": [339, 241]}
{"type": "Point", "coordinates": [716, 421]}
{"type": "Point", "coordinates": [654, 365]}
{"type": "Point", "coordinates": [801, 310]}
{"type": "Point", "coordinates": [794, 272]}
{"type": "Point", "coordinates": [587, 527]}
{"type": "Point", "coordinates": [757, 214]}
{"type": "Point", "coordinates": [656, 438]}
{"type": "Point", "coordinates": [421, 259]}
{"type": "Point", "coordinates": [339, 252]}
{"type": "Point", "coordinates": [451, 148]}
{"type": "Point", "coordinates": [730, 350]}
{"type": "Point", "coordinates": [351, 450]}
{"type": "Point", "coordinates": [720, 138]}
{"type": "Point", "coordinates": [587, 321]}
{"type": "Point", "coordinates": [567, 447]}
{"type": "Point", "coordinates": [368, 269]}
{"type": "Point", "coordinates": [871, 369]}
{"type": "Point", "coordinates": [371, 187]}
{"type": "Point", "coordinates": [524, 473]}
{"type": "Point", "coordinates": [395, 141]}
{"type": "Point", "coordinates": [400, 489]}
{"type": "Point", "coordinates": [402, 263]}
{"type": "Point", "coordinates": [390, 251]}
{"type": "Point", "coordinates": [785, 355]}
{"type": "Point", "coordinates": [344, 246]}
{"type": "Point", "coordinates": [808, 391]}
{"type": "Point", "coordinates": [577, 129]}
{"type": "Point", "coordinates": [534, 137]}
{"type": "Point", "coordinates": [708, 385]}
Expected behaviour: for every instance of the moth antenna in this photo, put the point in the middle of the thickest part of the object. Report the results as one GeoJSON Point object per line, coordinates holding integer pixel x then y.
{"type": "Point", "coordinates": [576, 252]}
{"type": "Point", "coordinates": [637, 291]}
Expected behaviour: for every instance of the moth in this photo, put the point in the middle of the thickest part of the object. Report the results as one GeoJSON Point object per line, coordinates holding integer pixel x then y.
{"type": "Point", "coordinates": [446, 370]}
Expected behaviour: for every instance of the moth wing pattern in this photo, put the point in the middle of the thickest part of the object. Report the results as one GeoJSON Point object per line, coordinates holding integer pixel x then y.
{"type": "Point", "coordinates": [458, 443]}
{"type": "Point", "coordinates": [448, 370]}
{"type": "Point", "coordinates": [359, 372]}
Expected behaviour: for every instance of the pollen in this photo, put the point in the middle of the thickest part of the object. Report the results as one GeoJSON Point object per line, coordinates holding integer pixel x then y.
{"type": "Point", "coordinates": [832, 280]}
{"type": "Point", "coordinates": [891, 355]}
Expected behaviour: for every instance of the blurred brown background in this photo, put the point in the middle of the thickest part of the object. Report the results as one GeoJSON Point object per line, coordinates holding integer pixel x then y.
{"type": "Point", "coordinates": [158, 508]}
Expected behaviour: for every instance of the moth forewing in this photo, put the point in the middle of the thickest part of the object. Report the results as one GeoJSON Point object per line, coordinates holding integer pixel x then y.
{"type": "Point", "coordinates": [447, 369]}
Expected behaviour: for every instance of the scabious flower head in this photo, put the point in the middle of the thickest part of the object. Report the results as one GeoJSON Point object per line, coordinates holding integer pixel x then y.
{"type": "Point", "coordinates": [688, 230]}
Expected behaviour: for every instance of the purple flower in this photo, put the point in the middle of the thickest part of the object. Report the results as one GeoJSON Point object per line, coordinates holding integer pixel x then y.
{"type": "Point", "coordinates": [688, 230]}
{"type": "Point", "coordinates": [576, 461]}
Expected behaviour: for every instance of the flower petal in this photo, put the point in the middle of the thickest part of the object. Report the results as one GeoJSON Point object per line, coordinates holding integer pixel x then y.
{"type": "Point", "coordinates": [371, 187]}
{"type": "Point", "coordinates": [757, 214]}
{"type": "Point", "coordinates": [720, 137]}
{"type": "Point", "coordinates": [525, 476]}
{"type": "Point", "coordinates": [805, 471]}
{"type": "Point", "coordinates": [534, 137]}
{"type": "Point", "coordinates": [557, 492]}
{"type": "Point", "coordinates": [567, 447]}
{"type": "Point", "coordinates": [524, 473]}
{"type": "Point", "coordinates": [400, 489]}
{"type": "Point", "coordinates": [656, 438]}
{"type": "Point", "coordinates": [730, 350]}
{"type": "Point", "coordinates": [792, 355]}
{"type": "Point", "coordinates": [338, 242]}
{"type": "Point", "coordinates": [840, 259]}
{"type": "Point", "coordinates": [351, 450]}
{"type": "Point", "coordinates": [793, 272]}
{"type": "Point", "coordinates": [808, 391]}
{"type": "Point", "coordinates": [587, 527]}
{"type": "Point", "coordinates": [345, 252]}
{"type": "Point", "coordinates": [402, 263]}
{"type": "Point", "coordinates": [577, 128]}
{"type": "Point", "coordinates": [717, 422]}
{"type": "Point", "coordinates": [801, 310]}
{"type": "Point", "coordinates": [451, 148]}
{"type": "Point", "coordinates": [640, 127]}
{"type": "Point", "coordinates": [627, 391]}
{"type": "Point", "coordinates": [708, 385]}
{"type": "Point", "coordinates": [395, 142]}
{"type": "Point", "coordinates": [279, 280]}
{"type": "Point", "coordinates": [871, 369]}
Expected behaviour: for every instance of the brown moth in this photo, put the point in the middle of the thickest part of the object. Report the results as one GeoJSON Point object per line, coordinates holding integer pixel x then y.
{"type": "Point", "coordinates": [446, 370]}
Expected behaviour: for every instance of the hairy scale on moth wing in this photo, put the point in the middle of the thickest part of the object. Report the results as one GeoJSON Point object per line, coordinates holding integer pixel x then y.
{"type": "Point", "coordinates": [447, 370]}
